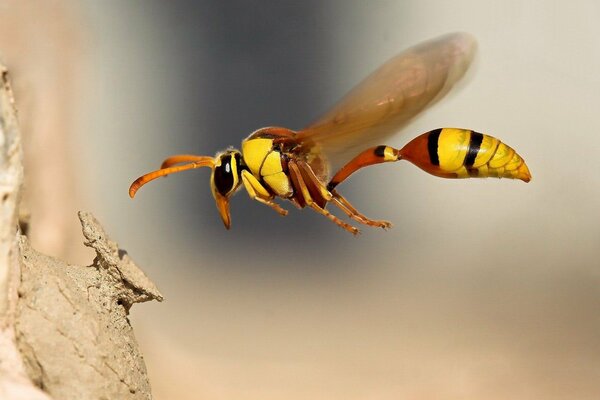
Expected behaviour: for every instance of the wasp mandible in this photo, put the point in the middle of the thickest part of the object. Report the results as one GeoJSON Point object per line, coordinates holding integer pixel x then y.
{"type": "Point", "coordinates": [295, 166]}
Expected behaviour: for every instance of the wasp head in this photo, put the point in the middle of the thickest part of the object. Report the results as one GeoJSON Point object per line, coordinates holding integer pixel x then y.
{"type": "Point", "coordinates": [225, 180]}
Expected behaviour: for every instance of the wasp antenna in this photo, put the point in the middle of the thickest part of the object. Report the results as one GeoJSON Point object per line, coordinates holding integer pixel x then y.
{"type": "Point", "coordinates": [142, 180]}
{"type": "Point", "coordinates": [181, 158]}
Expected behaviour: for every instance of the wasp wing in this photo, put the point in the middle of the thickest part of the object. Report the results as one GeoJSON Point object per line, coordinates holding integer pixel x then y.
{"type": "Point", "coordinates": [392, 95]}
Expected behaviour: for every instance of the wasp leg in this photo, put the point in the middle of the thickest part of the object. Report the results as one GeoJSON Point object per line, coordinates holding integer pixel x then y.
{"type": "Point", "coordinates": [318, 191]}
{"type": "Point", "coordinates": [374, 155]}
{"type": "Point", "coordinates": [353, 213]}
{"type": "Point", "coordinates": [257, 192]}
{"type": "Point", "coordinates": [300, 185]}
{"type": "Point", "coordinates": [322, 196]}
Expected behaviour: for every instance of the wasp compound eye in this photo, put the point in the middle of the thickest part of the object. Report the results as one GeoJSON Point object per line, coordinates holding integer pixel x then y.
{"type": "Point", "coordinates": [223, 176]}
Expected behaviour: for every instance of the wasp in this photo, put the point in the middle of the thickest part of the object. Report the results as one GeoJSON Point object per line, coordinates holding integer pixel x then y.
{"type": "Point", "coordinates": [277, 162]}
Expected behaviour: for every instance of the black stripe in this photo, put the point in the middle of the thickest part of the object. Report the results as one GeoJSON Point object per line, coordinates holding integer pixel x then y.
{"type": "Point", "coordinates": [380, 151]}
{"type": "Point", "coordinates": [473, 172]}
{"type": "Point", "coordinates": [474, 145]}
{"type": "Point", "coordinates": [432, 146]}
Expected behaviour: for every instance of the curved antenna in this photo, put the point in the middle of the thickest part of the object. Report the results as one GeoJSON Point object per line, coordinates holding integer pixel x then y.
{"type": "Point", "coordinates": [181, 158]}
{"type": "Point", "coordinates": [199, 161]}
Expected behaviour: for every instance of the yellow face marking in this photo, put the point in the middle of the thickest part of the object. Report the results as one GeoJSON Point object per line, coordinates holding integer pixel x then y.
{"type": "Point", "coordinates": [503, 156]}
{"type": "Point", "coordinates": [234, 170]}
{"type": "Point", "coordinates": [486, 150]}
{"type": "Point", "coordinates": [255, 151]}
{"type": "Point", "coordinates": [453, 145]}
{"type": "Point", "coordinates": [271, 164]}
{"type": "Point", "coordinates": [280, 184]}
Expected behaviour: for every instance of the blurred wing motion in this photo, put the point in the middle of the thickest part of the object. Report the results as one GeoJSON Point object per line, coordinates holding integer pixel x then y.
{"type": "Point", "coordinates": [392, 95]}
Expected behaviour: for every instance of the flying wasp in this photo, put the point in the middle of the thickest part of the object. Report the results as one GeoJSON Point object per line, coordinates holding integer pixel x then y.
{"type": "Point", "coordinates": [295, 165]}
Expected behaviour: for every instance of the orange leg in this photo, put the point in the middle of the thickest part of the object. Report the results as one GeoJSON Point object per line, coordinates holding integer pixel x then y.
{"type": "Point", "coordinates": [374, 155]}
{"type": "Point", "coordinates": [300, 185]}
{"type": "Point", "coordinates": [322, 196]}
{"type": "Point", "coordinates": [257, 192]}
{"type": "Point", "coordinates": [353, 213]}
{"type": "Point", "coordinates": [318, 191]}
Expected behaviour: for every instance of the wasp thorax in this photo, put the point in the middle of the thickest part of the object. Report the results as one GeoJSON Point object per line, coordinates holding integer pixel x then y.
{"type": "Point", "coordinates": [226, 173]}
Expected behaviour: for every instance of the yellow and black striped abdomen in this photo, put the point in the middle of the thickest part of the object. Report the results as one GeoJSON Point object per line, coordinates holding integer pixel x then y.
{"type": "Point", "coordinates": [462, 153]}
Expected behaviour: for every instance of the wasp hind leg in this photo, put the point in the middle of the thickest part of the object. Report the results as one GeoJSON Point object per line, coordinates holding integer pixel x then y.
{"type": "Point", "coordinates": [304, 180]}
{"type": "Point", "coordinates": [356, 215]}
{"type": "Point", "coordinates": [257, 192]}
{"type": "Point", "coordinates": [371, 156]}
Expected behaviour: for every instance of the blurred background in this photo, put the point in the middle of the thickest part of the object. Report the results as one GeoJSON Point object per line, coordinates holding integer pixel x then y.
{"type": "Point", "coordinates": [483, 289]}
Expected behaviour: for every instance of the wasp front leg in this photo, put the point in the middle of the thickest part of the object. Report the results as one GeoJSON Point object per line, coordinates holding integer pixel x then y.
{"type": "Point", "coordinates": [257, 192]}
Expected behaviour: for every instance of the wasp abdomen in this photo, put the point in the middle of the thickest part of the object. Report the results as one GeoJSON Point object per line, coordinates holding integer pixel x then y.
{"type": "Point", "coordinates": [462, 153]}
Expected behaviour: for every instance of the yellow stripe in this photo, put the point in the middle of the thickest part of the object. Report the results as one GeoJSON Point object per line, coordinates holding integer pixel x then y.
{"type": "Point", "coordinates": [486, 150]}
{"type": "Point", "coordinates": [502, 156]}
{"type": "Point", "coordinates": [389, 154]}
{"type": "Point", "coordinates": [514, 163]}
{"type": "Point", "coordinates": [453, 145]}
{"type": "Point", "coordinates": [234, 171]}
